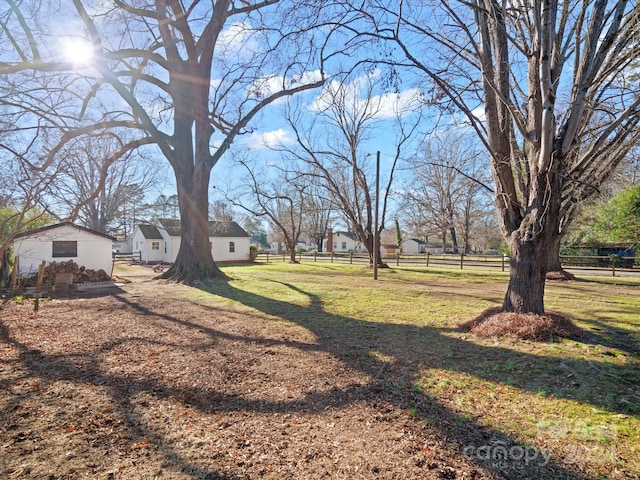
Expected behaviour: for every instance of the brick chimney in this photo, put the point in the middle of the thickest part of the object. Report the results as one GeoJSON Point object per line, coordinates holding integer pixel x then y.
{"type": "Point", "coordinates": [329, 240]}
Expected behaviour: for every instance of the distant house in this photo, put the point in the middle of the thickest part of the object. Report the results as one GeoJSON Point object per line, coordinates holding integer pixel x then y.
{"type": "Point", "coordinates": [161, 242]}
{"type": "Point", "coordinates": [342, 242]}
{"type": "Point", "coordinates": [62, 242]}
{"type": "Point", "coordinates": [389, 248]}
{"type": "Point", "coordinates": [414, 245]}
{"type": "Point", "coordinates": [149, 242]}
{"type": "Point", "coordinates": [123, 246]}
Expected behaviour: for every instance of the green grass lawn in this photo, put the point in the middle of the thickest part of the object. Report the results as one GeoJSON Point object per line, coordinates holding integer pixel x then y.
{"type": "Point", "coordinates": [576, 399]}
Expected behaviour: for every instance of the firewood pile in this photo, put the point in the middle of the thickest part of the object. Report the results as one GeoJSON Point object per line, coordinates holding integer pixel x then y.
{"type": "Point", "coordinates": [80, 273]}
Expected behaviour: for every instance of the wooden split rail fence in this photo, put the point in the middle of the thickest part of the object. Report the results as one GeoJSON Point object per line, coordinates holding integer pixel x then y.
{"type": "Point", "coordinates": [495, 262]}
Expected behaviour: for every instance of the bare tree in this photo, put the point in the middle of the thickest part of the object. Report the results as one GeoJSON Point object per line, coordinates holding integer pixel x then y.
{"type": "Point", "coordinates": [186, 78]}
{"type": "Point", "coordinates": [335, 158]}
{"type": "Point", "coordinates": [22, 197]}
{"type": "Point", "coordinates": [164, 207]}
{"type": "Point", "coordinates": [96, 187]}
{"type": "Point", "coordinates": [448, 189]}
{"type": "Point", "coordinates": [317, 210]}
{"type": "Point", "coordinates": [560, 106]}
{"type": "Point", "coordinates": [279, 199]}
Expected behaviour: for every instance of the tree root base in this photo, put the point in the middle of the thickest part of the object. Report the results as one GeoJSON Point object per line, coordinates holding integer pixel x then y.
{"type": "Point", "coordinates": [380, 265]}
{"type": "Point", "coordinates": [561, 275]}
{"type": "Point", "coordinates": [199, 279]}
{"type": "Point", "coordinates": [494, 322]}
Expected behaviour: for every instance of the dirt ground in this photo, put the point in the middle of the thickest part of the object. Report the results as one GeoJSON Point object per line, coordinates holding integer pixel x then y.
{"type": "Point", "coordinates": [145, 383]}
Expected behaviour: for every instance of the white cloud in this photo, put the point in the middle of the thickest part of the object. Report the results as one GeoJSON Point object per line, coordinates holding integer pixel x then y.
{"type": "Point", "coordinates": [239, 39]}
{"type": "Point", "coordinates": [354, 96]}
{"type": "Point", "coordinates": [264, 140]}
{"type": "Point", "coordinates": [397, 104]}
{"type": "Point", "coordinates": [265, 86]}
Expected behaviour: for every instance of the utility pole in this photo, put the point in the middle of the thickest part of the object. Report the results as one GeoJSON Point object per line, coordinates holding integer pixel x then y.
{"type": "Point", "coordinates": [376, 240]}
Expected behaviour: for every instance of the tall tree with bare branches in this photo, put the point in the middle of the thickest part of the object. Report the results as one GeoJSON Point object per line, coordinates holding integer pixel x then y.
{"type": "Point", "coordinates": [279, 199]}
{"type": "Point", "coordinates": [447, 189]}
{"type": "Point", "coordinates": [332, 148]}
{"type": "Point", "coordinates": [187, 78]}
{"type": "Point", "coordinates": [548, 87]}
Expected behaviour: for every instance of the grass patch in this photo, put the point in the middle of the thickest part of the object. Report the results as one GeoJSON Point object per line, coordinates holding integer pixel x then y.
{"type": "Point", "coordinates": [578, 399]}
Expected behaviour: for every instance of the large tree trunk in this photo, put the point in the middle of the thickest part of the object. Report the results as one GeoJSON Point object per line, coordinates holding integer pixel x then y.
{"type": "Point", "coordinates": [529, 246]}
{"type": "Point", "coordinates": [292, 251]}
{"type": "Point", "coordinates": [194, 261]}
{"type": "Point", "coordinates": [528, 267]}
{"type": "Point", "coordinates": [454, 239]}
{"type": "Point", "coordinates": [369, 245]}
{"type": "Point", "coordinates": [555, 271]}
{"type": "Point", "coordinates": [553, 260]}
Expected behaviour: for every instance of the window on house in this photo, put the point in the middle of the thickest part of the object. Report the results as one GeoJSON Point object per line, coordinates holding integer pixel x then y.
{"type": "Point", "coordinates": [155, 245]}
{"type": "Point", "coordinates": [65, 249]}
{"type": "Point", "coordinates": [344, 245]}
{"type": "Point", "coordinates": [232, 247]}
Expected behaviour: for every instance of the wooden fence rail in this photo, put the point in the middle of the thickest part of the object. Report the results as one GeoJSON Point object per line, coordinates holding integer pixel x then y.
{"type": "Point", "coordinates": [497, 262]}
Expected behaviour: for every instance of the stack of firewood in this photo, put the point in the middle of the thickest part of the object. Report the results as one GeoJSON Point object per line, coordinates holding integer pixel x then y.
{"type": "Point", "coordinates": [80, 274]}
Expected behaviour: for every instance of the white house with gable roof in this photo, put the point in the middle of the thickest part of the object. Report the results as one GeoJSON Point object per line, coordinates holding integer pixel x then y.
{"type": "Point", "coordinates": [161, 242]}
{"type": "Point", "coordinates": [62, 242]}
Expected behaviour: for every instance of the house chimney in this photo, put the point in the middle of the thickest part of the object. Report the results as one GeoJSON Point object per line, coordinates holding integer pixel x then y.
{"type": "Point", "coordinates": [329, 240]}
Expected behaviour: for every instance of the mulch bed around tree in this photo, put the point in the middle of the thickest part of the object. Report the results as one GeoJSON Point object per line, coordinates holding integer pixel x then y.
{"type": "Point", "coordinates": [493, 322]}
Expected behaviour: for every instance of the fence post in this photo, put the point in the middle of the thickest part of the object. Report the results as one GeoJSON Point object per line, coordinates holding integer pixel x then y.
{"type": "Point", "coordinates": [461, 261]}
{"type": "Point", "coordinates": [503, 262]}
{"type": "Point", "coordinates": [331, 257]}
{"type": "Point", "coordinates": [428, 253]}
{"type": "Point", "coordinates": [315, 256]}
{"type": "Point", "coordinates": [36, 305]}
{"type": "Point", "coordinates": [398, 259]}
{"type": "Point", "coordinates": [14, 273]}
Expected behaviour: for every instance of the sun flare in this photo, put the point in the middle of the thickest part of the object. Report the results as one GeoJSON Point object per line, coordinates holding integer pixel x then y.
{"type": "Point", "coordinates": [77, 51]}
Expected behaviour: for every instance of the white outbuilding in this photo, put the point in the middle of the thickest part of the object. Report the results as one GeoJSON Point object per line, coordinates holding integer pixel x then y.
{"type": "Point", "coordinates": [62, 242]}
{"type": "Point", "coordinates": [161, 242]}
{"type": "Point", "coordinates": [152, 246]}
{"type": "Point", "coordinates": [414, 245]}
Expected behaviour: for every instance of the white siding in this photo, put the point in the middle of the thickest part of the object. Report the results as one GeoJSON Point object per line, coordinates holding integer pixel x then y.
{"type": "Point", "coordinates": [145, 247]}
{"type": "Point", "coordinates": [138, 244]}
{"type": "Point", "coordinates": [411, 246]}
{"type": "Point", "coordinates": [173, 246]}
{"type": "Point", "coordinates": [343, 243]}
{"type": "Point", "coordinates": [123, 246]}
{"type": "Point", "coordinates": [94, 251]}
{"type": "Point", "coordinates": [220, 249]}
{"type": "Point", "coordinates": [154, 256]}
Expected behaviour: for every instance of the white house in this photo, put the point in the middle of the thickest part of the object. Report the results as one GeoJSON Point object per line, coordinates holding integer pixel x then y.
{"type": "Point", "coordinates": [414, 245]}
{"type": "Point", "coordinates": [62, 242]}
{"type": "Point", "coordinates": [161, 242]}
{"type": "Point", "coordinates": [123, 246]}
{"type": "Point", "coordinates": [148, 240]}
{"type": "Point", "coordinates": [342, 242]}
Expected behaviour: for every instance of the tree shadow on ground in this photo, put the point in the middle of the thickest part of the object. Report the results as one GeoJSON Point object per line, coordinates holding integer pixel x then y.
{"type": "Point", "coordinates": [411, 347]}
{"type": "Point", "coordinates": [349, 340]}
{"type": "Point", "coordinates": [87, 370]}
